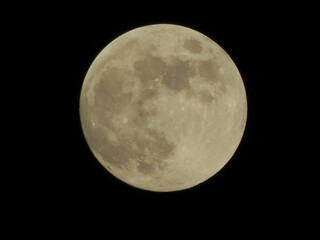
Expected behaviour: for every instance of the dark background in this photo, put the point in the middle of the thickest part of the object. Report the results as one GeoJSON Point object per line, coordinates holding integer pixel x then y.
{"type": "Point", "coordinates": [262, 187]}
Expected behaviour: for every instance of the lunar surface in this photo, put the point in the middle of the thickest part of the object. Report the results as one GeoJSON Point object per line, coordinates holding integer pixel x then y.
{"type": "Point", "coordinates": [163, 107]}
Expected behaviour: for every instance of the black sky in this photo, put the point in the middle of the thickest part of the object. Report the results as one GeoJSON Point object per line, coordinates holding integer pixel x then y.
{"type": "Point", "coordinates": [268, 43]}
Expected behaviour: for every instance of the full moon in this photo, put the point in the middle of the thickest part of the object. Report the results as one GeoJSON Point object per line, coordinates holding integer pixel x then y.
{"type": "Point", "coordinates": [163, 107]}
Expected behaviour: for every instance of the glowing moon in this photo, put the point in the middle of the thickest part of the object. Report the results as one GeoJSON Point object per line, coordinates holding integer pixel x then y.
{"type": "Point", "coordinates": [163, 107]}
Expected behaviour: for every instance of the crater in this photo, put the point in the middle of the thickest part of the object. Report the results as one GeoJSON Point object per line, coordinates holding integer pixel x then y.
{"type": "Point", "coordinates": [193, 46]}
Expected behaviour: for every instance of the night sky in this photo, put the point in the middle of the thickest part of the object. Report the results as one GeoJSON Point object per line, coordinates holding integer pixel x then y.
{"type": "Point", "coordinates": [269, 45]}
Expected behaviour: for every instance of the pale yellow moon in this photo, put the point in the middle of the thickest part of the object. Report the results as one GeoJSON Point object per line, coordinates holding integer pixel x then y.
{"type": "Point", "coordinates": [163, 107]}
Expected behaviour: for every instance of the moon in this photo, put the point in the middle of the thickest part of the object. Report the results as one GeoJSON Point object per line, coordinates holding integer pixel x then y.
{"type": "Point", "coordinates": [163, 107]}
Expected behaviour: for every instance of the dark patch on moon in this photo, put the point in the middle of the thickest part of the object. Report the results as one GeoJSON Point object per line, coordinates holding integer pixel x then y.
{"type": "Point", "coordinates": [145, 168]}
{"type": "Point", "coordinates": [119, 53]}
{"type": "Point", "coordinates": [133, 146]}
{"type": "Point", "coordinates": [176, 76]}
{"type": "Point", "coordinates": [129, 46]}
{"type": "Point", "coordinates": [149, 68]}
{"type": "Point", "coordinates": [109, 96]}
{"type": "Point", "coordinates": [141, 115]}
{"type": "Point", "coordinates": [208, 70]}
{"type": "Point", "coordinates": [148, 93]}
{"type": "Point", "coordinates": [129, 144]}
{"type": "Point", "coordinates": [193, 45]}
{"type": "Point", "coordinates": [124, 50]}
{"type": "Point", "coordinates": [205, 96]}
{"type": "Point", "coordinates": [85, 110]}
{"type": "Point", "coordinates": [159, 145]}
{"type": "Point", "coordinates": [111, 152]}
